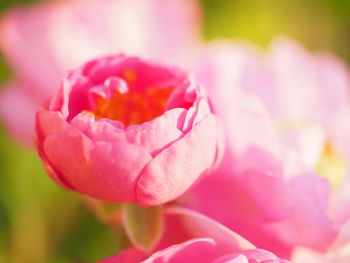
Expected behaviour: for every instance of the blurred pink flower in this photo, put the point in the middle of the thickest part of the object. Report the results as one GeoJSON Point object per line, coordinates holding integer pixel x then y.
{"type": "Point", "coordinates": [192, 237]}
{"type": "Point", "coordinates": [126, 130]}
{"type": "Point", "coordinates": [41, 42]}
{"type": "Point", "coordinates": [339, 252]}
{"type": "Point", "coordinates": [284, 115]}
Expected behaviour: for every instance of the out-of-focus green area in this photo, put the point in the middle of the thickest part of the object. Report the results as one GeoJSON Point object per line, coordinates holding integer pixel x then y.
{"type": "Point", "coordinates": [318, 24]}
{"type": "Point", "coordinates": [40, 222]}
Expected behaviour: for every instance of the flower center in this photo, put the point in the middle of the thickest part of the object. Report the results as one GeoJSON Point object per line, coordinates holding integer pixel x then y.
{"type": "Point", "coordinates": [128, 105]}
{"type": "Point", "coordinates": [331, 166]}
{"type": "Point", "coordinates": [133, 107]}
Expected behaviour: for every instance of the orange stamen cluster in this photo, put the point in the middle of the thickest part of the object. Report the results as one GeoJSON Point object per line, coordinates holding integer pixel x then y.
{"type": "Point", "coordinates": [133, 107]}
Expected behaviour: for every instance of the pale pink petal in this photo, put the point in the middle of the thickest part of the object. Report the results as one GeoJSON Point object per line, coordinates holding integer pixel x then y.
{"type": "Point", "coordinates": [251, 256]}
{"type": "Point", "coordinates": [25, 25]}
{"type": "Point", "coordinates": [339, 204]}
{"type": "Point", "coordinates": [340, 131]}
{"type": "Point", "coordinates": [199, 225]}
{"type": "Point", "coordinates": [155, 40]}
{"type": "Point", "coordinates": [17, 109]}
{"type": "Point", "coordinates": [298, 97]}
{"type": "Point", "coordinates": [247, 123]}
{"type": "Point", "coordinates": [227, 68]}
{"type": "Point", "coordinates": [305, 255]}
{"type": "Point", "coordinates": [259, 255]}
{"type": "Point", "coordinates": [334, 87]}
{"type": "Point", "coordinates": [313, 185]}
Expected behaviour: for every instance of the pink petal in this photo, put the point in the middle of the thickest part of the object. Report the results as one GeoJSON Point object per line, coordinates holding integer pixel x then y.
{"type": "Point", "coordinates": [220, 197]}
{"type": "Point", "coordinates": [195, 250]}
{"type": "Point", "coordinates": [232, 259]}
{"type": "Point", "coordinates": [49, 123]}
{"type": "Point", "coordinates": [17, 109]}
{"type": "Point", "coordinates": [103, 170]}
{"type": "Point", "coordinates": [288, 59]}
{"type": "Point", "coordinates": [194, 224]}
{"type": "Point", "coordinates": [305, 255]}
{"type": "Point", "coordinates": [25, 26]}
{"type": "Point", "coordinates": [157, 134]}
{"type": "Point", "coordinates": [334, 85]}
{"type": "Point", "coordinates": [103, 129]}
{"type": "Point", "coordinates": [155, 18]}
{"type": "Point", "coordinates": [172, 171]}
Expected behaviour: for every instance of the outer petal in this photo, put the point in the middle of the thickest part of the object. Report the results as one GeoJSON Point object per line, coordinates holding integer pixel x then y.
{"type": "Point", "coordinates": [131, 255]}
{"type": "Point", "coordinates": [251, 255]}
{"type": "Point", "coordinates": [155, 135]}
{"type": "Point", "coordinates": [220, 197]}
{"type": "Point", "coordinates": [102, 130]}
{"type": "Point", "coordinates": [172, 171]}
{"type": "Point", "coordinates": [259, 255]}
{"type": "Point", "coordinates": [195, 250]}
{"type": "Point", "coordinates": [49, 123]}
{"type": "Point", "coordinates": [183, 223]}
{"type": "Point", "coordinates": [103, 170]}
{"type": "Point", "coordinates": [232, 259]}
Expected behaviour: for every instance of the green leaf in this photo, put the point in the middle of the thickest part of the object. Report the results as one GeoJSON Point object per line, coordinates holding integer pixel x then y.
{"type": "Point", "coordinates": [143, 225]}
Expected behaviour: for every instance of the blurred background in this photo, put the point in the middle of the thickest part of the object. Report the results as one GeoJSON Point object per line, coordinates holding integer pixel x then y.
{"type": "Point", "coordinates": [40, 222]}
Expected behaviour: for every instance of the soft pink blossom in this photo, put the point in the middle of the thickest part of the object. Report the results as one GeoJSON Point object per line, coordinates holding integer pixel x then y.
{"type": "Point", "coordinates": [192, 237]}
{"type": "Point", "coordinates": [339, 252]}
{"type": "Point", "coordinates": [42, 41]}
{"type": "Point", "coordinates": [284, 113]}
{"type": "Point", "coordinates": [127, 130]}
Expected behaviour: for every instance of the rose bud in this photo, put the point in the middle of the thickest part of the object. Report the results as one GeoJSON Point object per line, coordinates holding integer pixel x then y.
{"type": "Point", "coordinates": [127, 130]}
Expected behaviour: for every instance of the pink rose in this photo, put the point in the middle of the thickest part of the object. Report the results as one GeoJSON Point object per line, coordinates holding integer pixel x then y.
{"type": "Point", "coordinates": [127, 130]}
{"type": "Point", "coordinates": [166, 30]}
{"type": "Point", "coordinates": [192, 237]}
{"type": "Point", "coordinates": [339, 252]}
{"type": "Point", "coordinates": [284, 115]}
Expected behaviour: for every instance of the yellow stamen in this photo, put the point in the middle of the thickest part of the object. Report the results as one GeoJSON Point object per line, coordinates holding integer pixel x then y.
{"type": "Point", "coordinates": [89, 112]}
{"type": "Point", "coordinates": [331, 166]}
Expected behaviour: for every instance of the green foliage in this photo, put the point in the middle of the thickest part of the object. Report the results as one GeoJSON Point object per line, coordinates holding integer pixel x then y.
{"type": "Point", "coordinates": [319, 24]}
{"type": "Point", "coordinates": [5, 4]}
